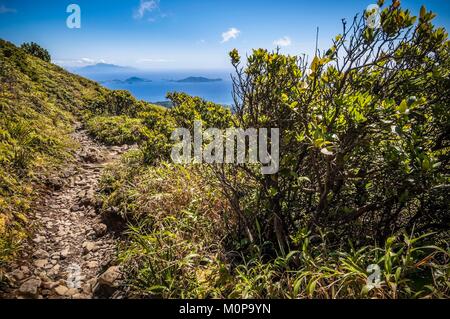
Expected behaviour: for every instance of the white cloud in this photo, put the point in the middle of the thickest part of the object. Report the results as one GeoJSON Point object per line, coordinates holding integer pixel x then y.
{"type": "Point", "coordinates": [4, 9]}
{"type": "Point", "coordinates": [232, 33]}
{"type": "Point", "coordinates": [144, 7]}
{"type": "Point", "coordinates": [283, 42]}
{"type": "Point", "coordinates": [87, 61]}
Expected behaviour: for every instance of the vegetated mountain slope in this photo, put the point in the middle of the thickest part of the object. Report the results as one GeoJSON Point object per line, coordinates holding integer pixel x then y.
{"type": "Point", "coordinates": [38, 101]}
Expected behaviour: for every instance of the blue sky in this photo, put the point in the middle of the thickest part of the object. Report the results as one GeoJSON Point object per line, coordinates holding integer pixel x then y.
{"type": "Point", "coordinates": [181, 34]}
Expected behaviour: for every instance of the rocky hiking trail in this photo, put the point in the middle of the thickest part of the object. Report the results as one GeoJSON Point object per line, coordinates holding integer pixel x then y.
{"type": "Point", "coordinates": [71, 250]}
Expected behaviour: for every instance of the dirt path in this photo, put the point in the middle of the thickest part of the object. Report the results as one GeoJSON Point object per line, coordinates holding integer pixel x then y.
{"type": "Point", "coordinates": [71, 250]}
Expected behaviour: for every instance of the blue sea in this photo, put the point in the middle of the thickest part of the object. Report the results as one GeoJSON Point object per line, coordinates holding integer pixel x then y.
{"type": "Point", "coordinates": [162, 83]}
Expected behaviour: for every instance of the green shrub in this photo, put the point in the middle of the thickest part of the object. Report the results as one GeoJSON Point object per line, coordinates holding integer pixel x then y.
{"type": "Point", "coordinates": [118, 102]}
{"type": "Point", "coordinates": [117, 130]}
{"type": "Point", "coordinates": [36, 50]}
{"type": "Point", "coordinates": [160, 124]}
{"type": "Point", "coordinates": [186, 109]}
{"type": "Point", "coordinates": [362, 148]}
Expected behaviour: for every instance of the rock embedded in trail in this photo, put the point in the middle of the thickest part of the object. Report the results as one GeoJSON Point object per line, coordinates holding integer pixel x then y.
{"type": "Point", "coordinates": [56, 256]}
{"type": "Point", "coordinates": [100, 229]}
{"type": "Point", "coordinates": [91, 213]}
{"type": "Point", "coordinates": [65, 253]}
{"type": "Point", "coordinates": [40, 254]}
{"type": "Point", "coordinates": [71, 292]}
{"type": "Point", "coordinates": [92, 264]}
{"type": "Point", "coordinates": [88, 247]}
{"type": "Point", "coordinates": [40, 263]}
{"type": "Point", "coordinates": [75, 208]}
{"type": "Point", "coordinates": [38, 239]}
{"type": "Point", "coordinates": [61, 290]}
{"type": "Point", "coordinates": [30, 287]}
{"type": "Point", "coordinates": [87, 199]}
{"type": "Point", "coordinates": [55, 183]}
{"type": "Point", "coordinates": [108, 282]}
{"type": "Point", "coordinates": [17, 275]}
{"type": "Point", "coordinates": [110, 277]}
{"type": "Point", "coordinates": [25, 269]}
{"type": "Point", "coordinates": [91, 155]}
{"type": "Point", "coordinates": [49, 285]}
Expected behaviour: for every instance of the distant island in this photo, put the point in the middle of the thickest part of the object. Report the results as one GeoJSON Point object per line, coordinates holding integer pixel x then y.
{"type": "Point", "coordinates": [196, 79]}
{"type": "Point", "coordinates": [132, 80]}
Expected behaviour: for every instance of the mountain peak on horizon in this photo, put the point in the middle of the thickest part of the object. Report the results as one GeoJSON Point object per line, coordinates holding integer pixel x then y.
{"type": "Point", "coordinates": [104, 67]}
{"type": "Point", "coordinates": [105, 64]}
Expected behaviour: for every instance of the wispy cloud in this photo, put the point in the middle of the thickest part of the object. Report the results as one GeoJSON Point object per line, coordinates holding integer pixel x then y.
{"type": "Point", "coordinates": [5, 9]}
{"type": "Point", "coordinates": [232, 33]}
{"type": "Point", "coordinates": [283, 42]}
{"type": "Point", "coordinates": [146, 6]}
{"type": "Point", "coordinates": [79, 62]}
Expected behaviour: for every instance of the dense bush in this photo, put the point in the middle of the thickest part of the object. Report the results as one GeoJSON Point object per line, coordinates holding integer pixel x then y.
{"type": "Point", "coordinates": [116, 130]}
{"type": "Point", "coordinates": [36, 50]}
{"type": "Point", "coordinates": [185, 110]}
{"type": "Point", "coordinates": [364, 133]}
{"type": "Point", "coordinates": [116, 117]}
{"type": "Point", "coordinates": [117, 102]}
